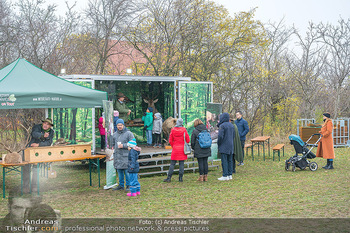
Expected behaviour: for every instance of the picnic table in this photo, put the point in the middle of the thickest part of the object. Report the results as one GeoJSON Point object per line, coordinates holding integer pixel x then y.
{"type": "Point", "coordinates": [6, 168]}
{"type": "Point", "coordinates": [260, 140]}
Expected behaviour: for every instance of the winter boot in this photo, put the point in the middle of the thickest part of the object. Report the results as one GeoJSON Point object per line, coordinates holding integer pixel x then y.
{"type": "Point", "coordinates": [330, 165]}
{"type": "Point", "coordinates": [205, 178]}
{"type": "Point", "coordinates": [200, 178]}
{"type": "Point", "coordinates": [168, 179]}
{"type": "Point", "coordinates": [118, 188]}
{"type": "Point", "coordinates": [180, 178]}
{"type": "Point", "coordinates": [326, 167]}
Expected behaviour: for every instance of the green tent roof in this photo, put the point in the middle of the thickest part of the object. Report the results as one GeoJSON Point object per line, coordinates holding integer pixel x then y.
{"type": "Point", "coordinates": [23, 85]}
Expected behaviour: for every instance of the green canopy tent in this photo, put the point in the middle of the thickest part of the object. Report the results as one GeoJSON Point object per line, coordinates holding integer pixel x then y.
{"type": "Point", "coordinates": [23, 85]}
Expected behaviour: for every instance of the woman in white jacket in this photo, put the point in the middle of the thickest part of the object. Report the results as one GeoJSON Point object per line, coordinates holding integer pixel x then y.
{"type": "Point", "coordinates": [157, 130]}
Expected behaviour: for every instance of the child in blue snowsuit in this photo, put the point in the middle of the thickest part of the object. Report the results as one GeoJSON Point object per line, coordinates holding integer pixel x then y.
{"type": "Point", "coordinates": [133, 168]}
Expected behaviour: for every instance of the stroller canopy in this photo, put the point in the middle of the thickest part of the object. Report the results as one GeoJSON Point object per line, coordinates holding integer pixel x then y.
{"type": "Point", "coordinates": [296, 138]}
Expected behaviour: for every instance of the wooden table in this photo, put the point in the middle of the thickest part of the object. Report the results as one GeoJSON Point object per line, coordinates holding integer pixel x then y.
{"type": "Point", "coordinates": [260, 140]}
{"type": "Point", "coordinates": [11, 167]}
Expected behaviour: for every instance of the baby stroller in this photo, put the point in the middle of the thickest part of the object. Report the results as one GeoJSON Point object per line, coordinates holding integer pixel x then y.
{"type": "Point", "coordinates": [306, 153]}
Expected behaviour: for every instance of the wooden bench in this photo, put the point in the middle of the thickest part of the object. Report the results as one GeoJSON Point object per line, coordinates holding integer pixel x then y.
{"type": "Point", "coordinates": [278, 148]}
{"type": "Point", "coordinates": [247, 146]}
{"type": "Point", "coordinates": [6, 168]}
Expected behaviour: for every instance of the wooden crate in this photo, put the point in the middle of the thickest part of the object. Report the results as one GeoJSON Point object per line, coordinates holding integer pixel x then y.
{"type": "Point", "coordinates": [306, 132]}
{"type": "Point", "coordinates": [57, 153]}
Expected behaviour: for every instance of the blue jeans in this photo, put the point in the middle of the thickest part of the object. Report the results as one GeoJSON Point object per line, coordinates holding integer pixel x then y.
{"type": "Point", "coordinates": [121, 177]}
{"type": "Point", "coordinates": [134, 183]}
{"type": "Point", "coordinates": [149, 137]}
{"type": "Point", "coordinates": [227, 164]}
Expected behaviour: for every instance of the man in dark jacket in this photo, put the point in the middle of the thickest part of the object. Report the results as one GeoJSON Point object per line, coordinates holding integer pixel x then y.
{"type": "Point", "coordinates": [225, 145]}
{"type": "Point", "coordinates": [41, 135]}
{"type": "Point", "coordinates": [243, 129]}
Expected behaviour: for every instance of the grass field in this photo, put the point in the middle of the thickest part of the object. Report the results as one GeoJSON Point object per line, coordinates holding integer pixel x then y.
{"type": "Point", "coordinates": [259, 189]}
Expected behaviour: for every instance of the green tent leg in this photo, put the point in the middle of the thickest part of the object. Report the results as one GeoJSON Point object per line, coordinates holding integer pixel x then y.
{"type": "Point", "coordinates": [3, 182]}
{"type": "Point", "coordinates": [98, 169]}
{"type": "Point", "coordinates": [38, 181]}
{"type": "Point", "coordinates": [21, 180]}
{"type": "Point", "coordinates": [90, 171]}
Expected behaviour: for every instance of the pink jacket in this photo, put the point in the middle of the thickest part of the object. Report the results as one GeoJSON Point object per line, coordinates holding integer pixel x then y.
{"type": "Point", "coordinates": [100, 126]}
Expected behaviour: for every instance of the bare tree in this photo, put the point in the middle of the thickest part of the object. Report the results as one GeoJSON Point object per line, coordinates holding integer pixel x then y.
{"type": "Point", "coordinates": [6, 33]}
{"type": "Point", "coordinates": [39, 32]}
{"type": "Point", "coordinates": [337, 69]}
{"type": "Point", "coordinates": [15, 127]}
{"type": "Point", "coordinates": [106, 21]}
{"type": "Point", "coordinates": [306, 67]}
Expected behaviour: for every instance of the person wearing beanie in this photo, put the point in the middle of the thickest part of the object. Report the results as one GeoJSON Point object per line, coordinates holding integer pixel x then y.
{"type": "Point", "coordinates": [157, 130]}
{"type": "Point", "coordinates": [177, 138]}
{"type": "Point", "coordinates": [121, 137]}
{"type": "Point", "coordinates": [148, 125]}
{"type": "Point", "coordinates": [133, 168]}
{"type": "Point", "coordinates": [115, 118]}
{"type": "Point", "coordinates": [325, 147]}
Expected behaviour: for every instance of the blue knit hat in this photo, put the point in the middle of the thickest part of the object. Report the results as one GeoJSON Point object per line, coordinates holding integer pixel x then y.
{"type": "Point", "coordinates": [132, 143]}
{"type": "Point", "coordinates": [120, 121]}
{"type": "Point", "coordinates": [150, 109]}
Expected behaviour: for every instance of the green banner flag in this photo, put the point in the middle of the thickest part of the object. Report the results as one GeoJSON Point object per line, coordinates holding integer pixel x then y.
{"type": "Point", "coordinates": [111, 177]}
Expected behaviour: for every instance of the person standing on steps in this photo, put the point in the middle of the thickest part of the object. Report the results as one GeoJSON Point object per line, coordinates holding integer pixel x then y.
{"type": "Point", "coordinates": [148, 125]}
{"type": "Point", "coordinates": [157, 130]}
{"type": "Point", "coordinates": [120, 106]}
{"type": "Point", "coordinates": [102, 130]}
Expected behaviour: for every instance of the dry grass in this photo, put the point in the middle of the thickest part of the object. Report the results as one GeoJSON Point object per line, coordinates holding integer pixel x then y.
{"type": "Point", "coordinates": [260, 189]}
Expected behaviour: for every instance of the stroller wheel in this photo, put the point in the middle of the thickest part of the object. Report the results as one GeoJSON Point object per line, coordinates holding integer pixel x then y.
{"type": "Point", "coordinates": [293, 167]}
{"type": "Point", "coordinates": [287, 166]}
{"type": "Point", "coordinates": [313, 166]}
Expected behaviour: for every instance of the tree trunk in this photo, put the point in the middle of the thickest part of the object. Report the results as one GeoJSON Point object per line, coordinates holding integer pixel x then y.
{"type": "Point", "coordinates": [73, 126]}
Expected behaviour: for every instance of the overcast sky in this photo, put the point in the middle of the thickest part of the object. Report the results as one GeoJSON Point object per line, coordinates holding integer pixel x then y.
{"type": "Point", "coordinates": [294, 12]}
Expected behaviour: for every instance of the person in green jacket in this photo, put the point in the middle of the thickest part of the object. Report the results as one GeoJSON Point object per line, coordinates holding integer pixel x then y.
{"type": "Point", "coordinates": [148, 125]}
{"type": "Point", "coordinates": [121, 107]}
{"type": "Point", "coordinates": [237, 151]}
